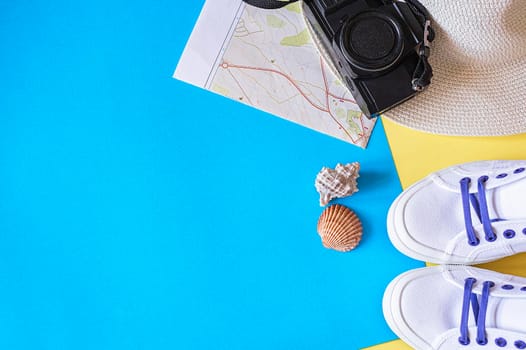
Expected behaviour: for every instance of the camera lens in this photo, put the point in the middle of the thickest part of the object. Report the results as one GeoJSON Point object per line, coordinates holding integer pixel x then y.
{"type": "Point", "coordinates": [371, 41]}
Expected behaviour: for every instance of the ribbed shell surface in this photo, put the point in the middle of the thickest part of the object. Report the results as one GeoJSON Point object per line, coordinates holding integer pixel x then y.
{"type": "Point", "coordinates": [339, 228]}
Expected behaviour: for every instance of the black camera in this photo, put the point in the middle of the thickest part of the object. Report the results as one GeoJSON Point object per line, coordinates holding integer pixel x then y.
{"type": "Point", "coordinates": [378, 47]}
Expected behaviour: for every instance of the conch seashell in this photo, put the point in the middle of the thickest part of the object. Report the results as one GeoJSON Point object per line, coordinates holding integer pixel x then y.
{"type": "Point", "coordinates": [337, 183]}
{"type": "Point", "coordinates": [339, 228]}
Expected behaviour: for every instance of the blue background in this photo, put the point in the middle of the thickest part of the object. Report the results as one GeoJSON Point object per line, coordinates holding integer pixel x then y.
{"type": "Point", "coordinates": [139, 212]}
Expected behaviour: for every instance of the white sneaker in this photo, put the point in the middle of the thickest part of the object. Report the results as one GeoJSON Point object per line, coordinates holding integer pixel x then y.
{"type": "Point", "coordinates": [453, 307]}
{"type": "Point", "coordinates": [465, 214]}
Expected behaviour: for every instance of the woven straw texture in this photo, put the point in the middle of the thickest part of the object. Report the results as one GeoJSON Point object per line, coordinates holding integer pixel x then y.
{"type": "Point", "coordinates": [478, 60]}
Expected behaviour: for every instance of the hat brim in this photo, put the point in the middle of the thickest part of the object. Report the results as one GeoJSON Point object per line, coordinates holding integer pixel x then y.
{"type": "Point", "coordinates": [468, 98]}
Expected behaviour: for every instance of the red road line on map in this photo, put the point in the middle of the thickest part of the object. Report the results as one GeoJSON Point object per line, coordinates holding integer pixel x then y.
{"type": "Point", "coordinates": [228, 65]}
{"type": "Point", "coordinates": [327, 93]}
{"type": "Point", "coordinates": [343, 99]}
{"type": "Point", "coordinates": [327, 90]}
{"type": "Point", "coordinates": [240, 87]}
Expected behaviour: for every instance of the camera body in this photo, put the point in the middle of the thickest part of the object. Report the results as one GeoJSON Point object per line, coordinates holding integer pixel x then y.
{"type": "Point", "coordinates": [372, 45]}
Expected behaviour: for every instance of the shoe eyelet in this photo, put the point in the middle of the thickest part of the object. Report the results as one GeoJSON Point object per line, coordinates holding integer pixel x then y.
{"type": "Point", "coordinates": [474, 243]}
{"type": "Point", "coordinates": [501, 342]}
{"type": "Point", "coordinates": [524, 230]}
{"type": "Point", "coordinates": [509, 234]}
{"type": "Point", "coordinates": [482, 341]}
{"type": "Point", "coordinates": [463, 341]}
{"type": "Point", "coordinates": [491, 238]}
{"type": "Point", "coordinates": [519, 344]}
{"type": "Point", "coordinates": [518, 170]}
{"type": "Point", "coordinates": [484, 178]}
{"type": "Point", "coordinates": [507, 287]}
{"type": "Point", "coordinates": [523, 289]}
{"type": "Point", "coordinates": [501, 176]}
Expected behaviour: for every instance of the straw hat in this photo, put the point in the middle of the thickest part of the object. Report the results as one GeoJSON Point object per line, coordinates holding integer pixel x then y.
{"type": "Point", "coordinates": [479, 71]}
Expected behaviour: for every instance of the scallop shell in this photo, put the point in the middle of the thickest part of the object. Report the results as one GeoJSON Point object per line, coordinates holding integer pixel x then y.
{"type": "Point", "coordinates": [339, 228]}
{"type": "Point", "coordinates": [337, 183]}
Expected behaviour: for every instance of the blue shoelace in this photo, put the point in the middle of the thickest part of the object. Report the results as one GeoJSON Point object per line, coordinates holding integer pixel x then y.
{"type": "Point", "coordinates": [479, 311]}
{"type": "Point", "coordinates": [480, 205]}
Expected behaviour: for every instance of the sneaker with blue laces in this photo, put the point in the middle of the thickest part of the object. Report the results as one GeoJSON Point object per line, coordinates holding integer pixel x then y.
{"type": "Point", "coordinates": [465, 214]}
{"type": "Point", "coordinates": [452, 307]}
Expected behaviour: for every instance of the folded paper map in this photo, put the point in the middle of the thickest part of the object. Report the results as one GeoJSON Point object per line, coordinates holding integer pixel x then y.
{"type": "Point", "coordinates": [267, 59]}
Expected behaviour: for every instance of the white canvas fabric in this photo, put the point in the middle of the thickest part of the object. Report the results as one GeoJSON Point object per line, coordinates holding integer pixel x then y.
{"type": "Point", "coordinates": [424, 308]}
{"type": "Point", "coordinates": [479, 71]}
{"type": "Point", "coordinates": [427, 221]}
